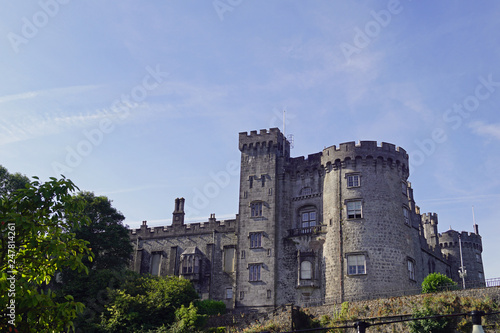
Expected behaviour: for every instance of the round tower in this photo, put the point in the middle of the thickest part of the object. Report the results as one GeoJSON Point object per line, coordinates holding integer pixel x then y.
{"type": "Point", "coordinates": [369, 220]}
{"type": "Point", "coordinates": [472, 247]}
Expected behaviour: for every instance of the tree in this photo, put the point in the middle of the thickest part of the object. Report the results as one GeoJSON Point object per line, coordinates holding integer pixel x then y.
{"type": "Point", "coordinates": [110, 242]}
{"type": "Point", "coordinates": [435, 282]}
{"type": "Point", "coordinates": [11, 182]}
{"type": "Point", "coordinates": [35, 244]}
{"type": "Point", "coordinates": [148, 302]}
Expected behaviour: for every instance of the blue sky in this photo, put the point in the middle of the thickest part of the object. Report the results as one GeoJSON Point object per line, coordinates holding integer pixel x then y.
{"type": "Point", "coordinates": [143, 102]}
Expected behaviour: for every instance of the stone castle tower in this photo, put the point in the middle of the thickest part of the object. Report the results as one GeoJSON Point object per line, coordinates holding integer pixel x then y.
{"type": "Point", "coordinates": [341, 224]}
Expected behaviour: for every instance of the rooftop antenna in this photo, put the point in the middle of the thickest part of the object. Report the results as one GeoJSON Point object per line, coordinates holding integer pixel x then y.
{"type": "Point", "coordinates": [474, 226]}
{"type": "Point", "coordinates": [290, 136]}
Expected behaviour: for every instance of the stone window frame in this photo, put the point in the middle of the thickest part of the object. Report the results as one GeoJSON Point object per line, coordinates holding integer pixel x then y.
{"type": "Point", "coordinates": [404, 188]}
{"type": "Point", "coordinates": [406, 215]}
{"type": "Point", "coordinates": [269, 294]}
{"type": "Point", "coordinates": [190, 264]}
{"type": "Point", "coordinates": [478, 257]}
{"type": "Point", "coordinates": [256, 208]}
{"type": "Point", "coordinates": [224, 268]}
{"type": "Point", "coordinates": [411, 268]}
{"type": "Point", "coordinates": [350, 256]}
{"type": "Point", "coordinates": [307, 209]}
{"type": "Point", "coordinates": [254, 272]}
{"type": "Point", "coordinates": [353, 179]}
{"type": "Point", "coordinates": [256, 239]}
{"type": "Point", "coordinates": [229, 293]}
{"type": "Point", "coordinates": [242, 294]}
{"type": "Point", "coordinates": [151, 268]}
{"type": "Point", "coordinates": [303, 270]}
{"type": "Point", "coordinates": [306, 190]}
{"type": "Point", "coordinates": [354, 210]}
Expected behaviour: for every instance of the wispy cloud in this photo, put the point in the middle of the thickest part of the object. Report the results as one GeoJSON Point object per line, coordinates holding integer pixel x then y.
{"type": "Point", "coordinates": [490, 131]}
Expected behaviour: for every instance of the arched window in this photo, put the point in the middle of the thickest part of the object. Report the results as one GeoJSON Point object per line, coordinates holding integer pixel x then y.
{"type": "Point", "coordinates": [305, 270]}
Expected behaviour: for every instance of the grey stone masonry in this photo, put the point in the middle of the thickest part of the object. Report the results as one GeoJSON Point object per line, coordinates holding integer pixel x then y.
{"type": "Point", "coordinates": [338, 225]}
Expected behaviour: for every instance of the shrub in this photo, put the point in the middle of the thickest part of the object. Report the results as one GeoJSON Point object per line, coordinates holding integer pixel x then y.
{"type": "Point", "coordinates": [210, 307]}
{"type": "Point", "coordinates": [435, 282]}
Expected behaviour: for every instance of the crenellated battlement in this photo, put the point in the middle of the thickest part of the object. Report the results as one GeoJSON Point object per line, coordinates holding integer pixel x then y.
{"type": "Point", "coordinates": [366, 153]}
{"type": "Point", "coordinates": [451, 238]}
{"type": "Point", "coordinates": [265, 140]}
{"type": "Point", "coordinates": [431, 218]}
{"type": "Point", "coordinates": [185, 229]}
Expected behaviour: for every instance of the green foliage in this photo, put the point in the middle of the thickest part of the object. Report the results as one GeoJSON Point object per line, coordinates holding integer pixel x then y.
{"type": "Point", "coordinates": [211, 307]}
{"type": "Point", "coordinates": [146, 303]}
{"type": "Point", "coordinates": [106, 234]}
{"type": "Point", "coordinates": [435, 282]}
{"type": "Point", "coordinates": [35, 244]}
{"type": "Point", "coordinates": [11, 182]}
{"type": "Point", "coordinates": [187, 320]}
{"type": "Point", "coordinates": [109, 240]}
{"type": "Point", "coordinates": [427, 325]}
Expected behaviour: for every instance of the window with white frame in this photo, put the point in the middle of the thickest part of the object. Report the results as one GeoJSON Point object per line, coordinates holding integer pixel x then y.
{"type": "Point", "coordinates": [255, 240]}
{"type": "Point", "coordinates": [353, 180]}
{"type": "Point", "coordinates": [254, 272]}
{"type": "Point", "coordinates": [229, 293]}
{"type": "Point", "coordinates": [406, 215]}
{"type": "Point", "coordinates": [411, 269]}
{"type": "Point", "coordinates": [356, 264]}
{"type": "Point", "coordinates": [354, 209]}
{"type": "Point", "coordinates": [256, 209]}
{"type": "Point", "coordinates": [308, 219]}
{"type": "Point", "coordinates": [305, 270]}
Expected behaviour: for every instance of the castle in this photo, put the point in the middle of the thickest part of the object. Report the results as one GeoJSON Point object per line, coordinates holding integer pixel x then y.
{"type": "Point", "coordinates": [339, 225]}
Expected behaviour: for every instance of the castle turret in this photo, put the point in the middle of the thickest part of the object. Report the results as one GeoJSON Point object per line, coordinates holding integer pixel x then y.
{"type": "Point", "coordinates": [263, 156]}
{"type": "Point", "coordinates": [430, 223]}
{"type": "Point", "coordinates": [370, 218]}
{"type": "Point", "coordinates": [472, 247]}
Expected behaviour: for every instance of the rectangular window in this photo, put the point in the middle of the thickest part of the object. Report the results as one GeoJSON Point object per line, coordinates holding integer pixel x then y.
{"type": "Point", "coordinates": [411, 269]}
{"type": "Point", "coordinates": [155, 263]}
{"type": "Point", "coordinates": [250, 180]}
{"type": "Point", "coordinates": [356, 264]}
{"type": "Point", "coordinates": [354, 209]}
{"type": "Point", "coordinates": [268, 293]}
{"type": "Point", "coordinates": [308, 219]}
{"type": "Point", "coordinates": [406, 214]}
{"type": "Point", "coordinates": [404, 187]}
{"type": "Point", "coordinates": [255, 240]}
{"type": "Point", "coordinates": [242, 294]}
{"type": "Point", "coordinates": [480, 275]}
{"type": "Point", "coordinates": [353, 180]}
{"type": "Point", "coordinates": [478, 257]}
{"type": "Point", "coordinates": [242, 254]}
{"type": "Point", "coordinates": [263, 180]}
{"type": "Point", "coordinates": [229, 293]}
{"type": "Point", "coordinates": [254, 272]}
{"type": "Point", "coordinates": [229, 253]}
{"type": "Point", "coordinates": [256, 209]}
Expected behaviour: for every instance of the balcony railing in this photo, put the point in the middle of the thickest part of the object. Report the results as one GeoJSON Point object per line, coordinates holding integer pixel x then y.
{"type": "Point", "coordinates": [306, 231]}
